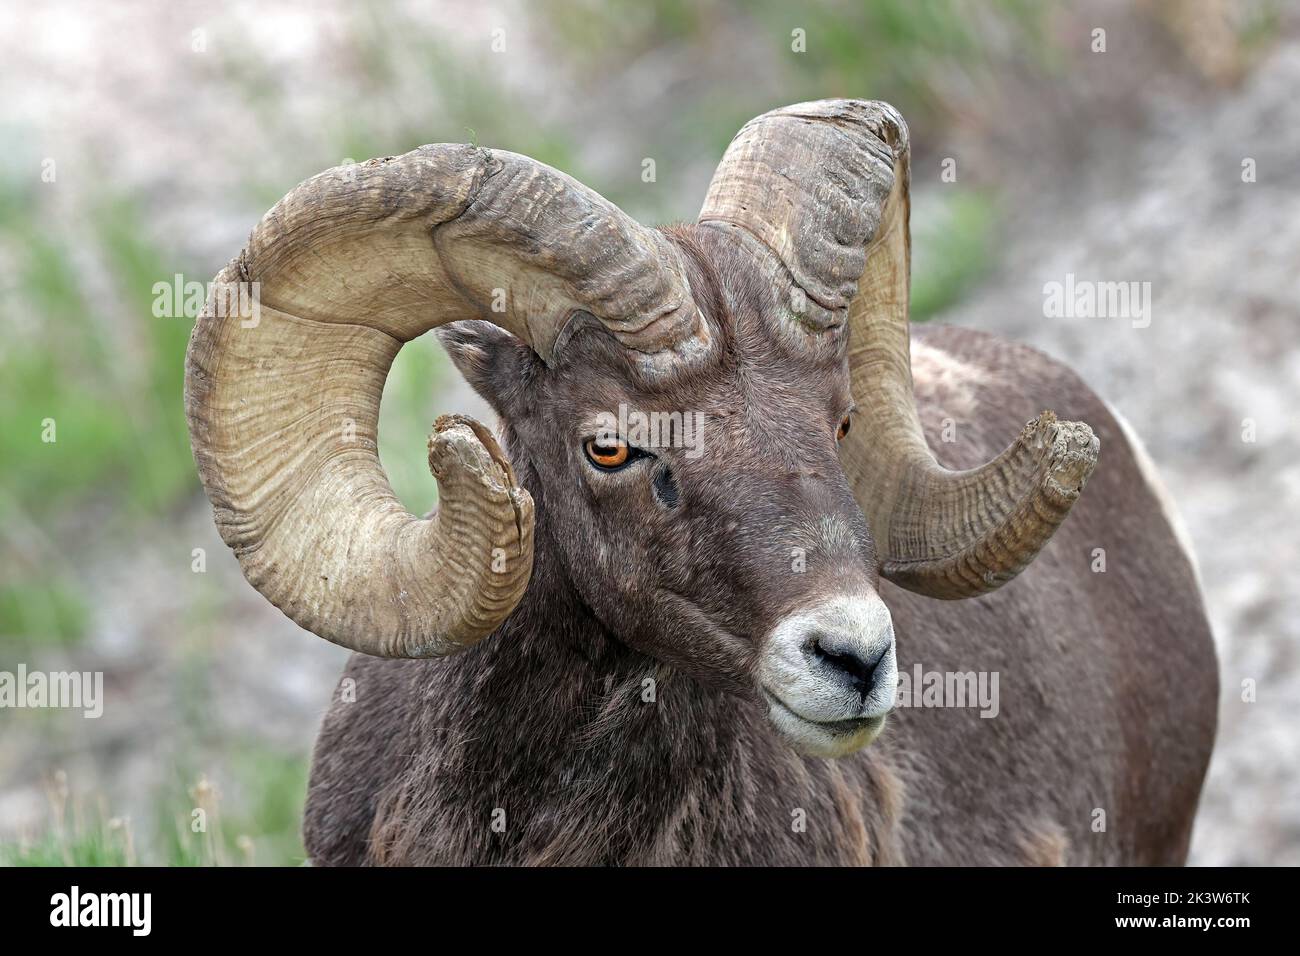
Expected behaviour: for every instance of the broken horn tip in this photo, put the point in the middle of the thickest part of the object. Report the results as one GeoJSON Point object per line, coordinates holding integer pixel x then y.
{"type": "Point", "coordinates": [1074, 457]}
{"type": "Point", "coordinates": [443, 422]}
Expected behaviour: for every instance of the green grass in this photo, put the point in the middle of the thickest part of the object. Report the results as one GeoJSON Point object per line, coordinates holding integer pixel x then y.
{"type": "Point", "coordinates": [91, 418]}
{"type": "Point", "coordinates": [74, 836]}
{"type": "Point", "coordinates": [96, 846]}
{"type": "Point", "coordinates": [101, 369]}
{"type": "Point", "coordinates": [952, 249]}
{"type": "Point", "coordinates": [406, 415]}
{"type": "Point", "coordinates": [263, 831]}
{"type": "Point", "coordinates": [257, 823]}
{"type": "Point", "coordinates": [38, 610]}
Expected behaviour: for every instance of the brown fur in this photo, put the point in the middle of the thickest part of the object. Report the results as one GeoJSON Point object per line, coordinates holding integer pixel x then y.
{"type": "Point", "coordinates": [1108, 680]}
{"type": "Point", "coordinates": [1044, 844]}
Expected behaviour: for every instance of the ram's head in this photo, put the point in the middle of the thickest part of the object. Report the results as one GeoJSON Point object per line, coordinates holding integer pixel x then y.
{"type": "Point", "coordinates": [715, 420]}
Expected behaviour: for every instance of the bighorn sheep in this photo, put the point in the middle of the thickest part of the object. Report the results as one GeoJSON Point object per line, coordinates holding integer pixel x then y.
{"type": "Point", "coordinates": [599, 651]}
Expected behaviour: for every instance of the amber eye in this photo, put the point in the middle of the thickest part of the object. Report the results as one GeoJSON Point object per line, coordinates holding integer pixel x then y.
{"type": "Point", "coordinates": [843, 429]}
{"type": "Point", "coordinates": [607, 456]}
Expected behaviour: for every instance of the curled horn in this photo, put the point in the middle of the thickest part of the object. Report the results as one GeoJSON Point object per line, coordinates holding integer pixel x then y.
{"type": "Point", "coordinates": [820, 192]}
{"type": "Point", "coordinates": [283, 403]}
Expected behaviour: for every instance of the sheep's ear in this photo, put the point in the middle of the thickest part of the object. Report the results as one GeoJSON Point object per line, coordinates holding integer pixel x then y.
{"type": "Point", "coordinates": [496, 364]}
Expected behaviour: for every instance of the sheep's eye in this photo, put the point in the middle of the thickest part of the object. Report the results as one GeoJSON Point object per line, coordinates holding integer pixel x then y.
{"type": "Point", "coordinates": [843, 429]}
{"type": "Point", "coordinates": [608, 457]}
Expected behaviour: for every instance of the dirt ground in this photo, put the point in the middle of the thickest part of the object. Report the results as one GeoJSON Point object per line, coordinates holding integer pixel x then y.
{"type": "Point", "coordinates": [1222, 349]}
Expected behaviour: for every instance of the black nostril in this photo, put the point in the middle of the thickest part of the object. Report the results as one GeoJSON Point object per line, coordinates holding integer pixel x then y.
{"type": "Point", "coordinates": [859, 670]}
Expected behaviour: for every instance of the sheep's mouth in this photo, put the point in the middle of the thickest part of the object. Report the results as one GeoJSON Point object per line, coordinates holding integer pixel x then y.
{"type": "Point", "coordinates": [817, 738]}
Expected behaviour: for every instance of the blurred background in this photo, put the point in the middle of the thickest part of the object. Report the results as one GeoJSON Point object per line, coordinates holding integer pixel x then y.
{"type": "Point", "coordinates": [139, 143]}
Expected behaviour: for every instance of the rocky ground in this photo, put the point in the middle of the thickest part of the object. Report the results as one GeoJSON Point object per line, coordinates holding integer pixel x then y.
{"type": "Point", "coordinates": [1167, 205]}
